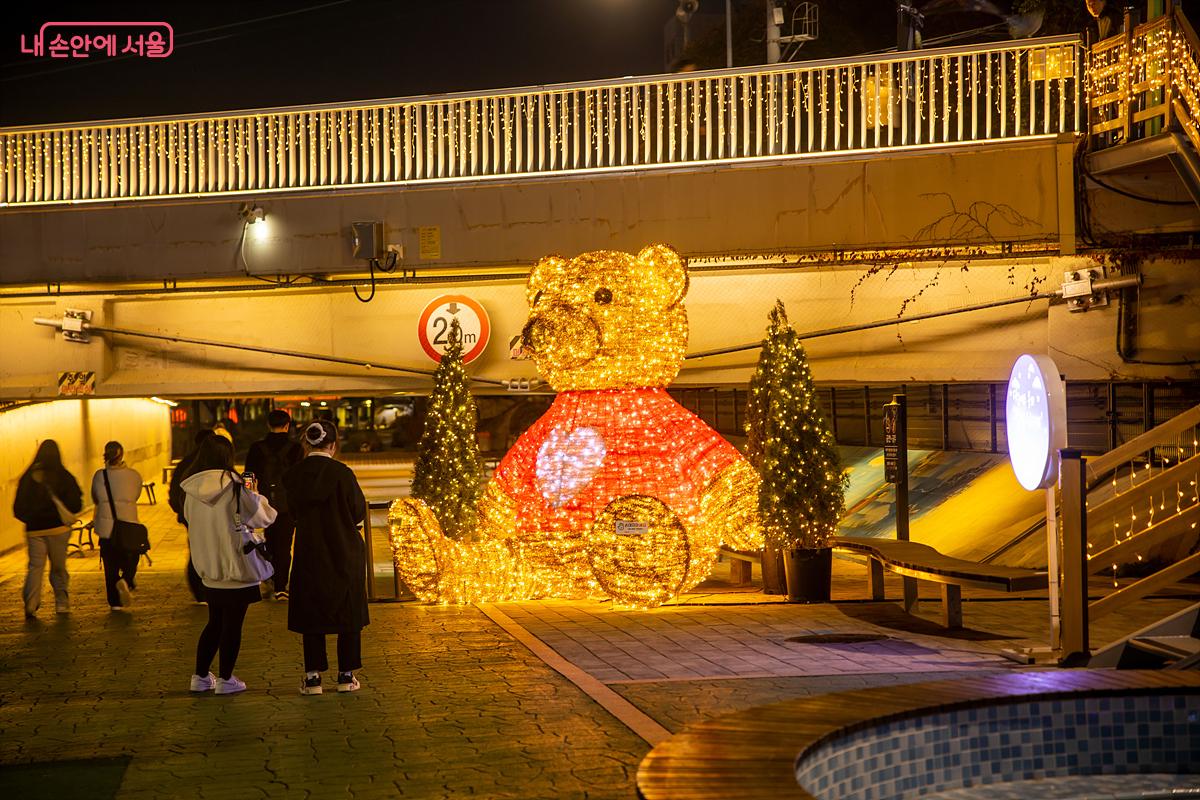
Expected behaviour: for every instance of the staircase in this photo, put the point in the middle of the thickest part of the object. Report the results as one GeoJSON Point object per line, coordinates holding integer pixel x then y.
{"type": "Point", "coordinates": [1172, 643]}
{"type": "Point", "coordinates": [1143, 91]}
{"type": "Point", "coordinates": [1143, 507]}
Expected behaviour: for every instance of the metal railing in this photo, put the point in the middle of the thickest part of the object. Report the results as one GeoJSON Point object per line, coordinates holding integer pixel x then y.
{"type": "Point", "coordinates": [1140, 81]}
{"type": "Point", "coordinates": [981, 93]}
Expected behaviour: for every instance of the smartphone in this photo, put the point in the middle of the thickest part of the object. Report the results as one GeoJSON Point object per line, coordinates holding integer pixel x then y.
{"type": "Point", "coordinates": [249, 481]}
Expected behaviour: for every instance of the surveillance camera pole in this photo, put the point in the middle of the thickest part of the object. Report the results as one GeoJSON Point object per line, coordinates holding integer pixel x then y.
{"type": "Point", "coordinates": [728, 33]}
{"type": "Point", "coordinates": [772, 34]}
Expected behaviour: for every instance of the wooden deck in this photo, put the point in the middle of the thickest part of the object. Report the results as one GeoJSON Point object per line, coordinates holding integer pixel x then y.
{"type": "Point", "coordinates": [751, 755]}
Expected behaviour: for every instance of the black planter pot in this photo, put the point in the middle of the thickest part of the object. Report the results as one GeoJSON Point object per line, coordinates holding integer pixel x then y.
{"type": "Point", "coordinates": [808, 572]}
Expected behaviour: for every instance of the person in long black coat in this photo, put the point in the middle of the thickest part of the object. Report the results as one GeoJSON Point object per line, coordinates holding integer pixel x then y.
{"type": "Point", "coordinates": [328, 581]}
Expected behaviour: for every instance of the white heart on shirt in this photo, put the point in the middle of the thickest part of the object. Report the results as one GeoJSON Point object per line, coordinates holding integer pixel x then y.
{"type": "Point", "coordinates": [566, 463]}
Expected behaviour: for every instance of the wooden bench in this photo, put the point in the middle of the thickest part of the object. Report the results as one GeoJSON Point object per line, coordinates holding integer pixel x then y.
{"type": "Point", "coordinates": [915, 560]}
{"type": "Point", "coordinates": [741, 564]}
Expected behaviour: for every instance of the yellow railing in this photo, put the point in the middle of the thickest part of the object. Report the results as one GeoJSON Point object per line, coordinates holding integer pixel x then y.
{"type": "Point", "coordinates": [1141, 81]}
{"type": "Point", "coordinates": [1144, 506]}
{"type": "Point", "coordinates": [944, 97]}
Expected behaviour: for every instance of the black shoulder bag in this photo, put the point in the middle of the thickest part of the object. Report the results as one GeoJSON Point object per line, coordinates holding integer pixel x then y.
{"type": "Point", "coordinates": [132, 537]}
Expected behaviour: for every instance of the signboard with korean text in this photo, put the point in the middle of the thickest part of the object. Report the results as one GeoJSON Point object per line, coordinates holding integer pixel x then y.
{"type": "Point", "coordinates": [76, 384]}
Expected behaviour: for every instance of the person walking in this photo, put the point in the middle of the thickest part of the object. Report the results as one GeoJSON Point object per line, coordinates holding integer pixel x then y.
{"type": "Point", "coordinates": [116, 487]}
{"type": "Point", "coordinates": [222, 512]}
{"type": "Point", "coordinates": [328, 593]}
{"type": "Point", "coordinates": [269, 459]}
{"type": "Point", "coordinates": [48, 501]}
{"type": "Point", "coordinates": [175, 499]}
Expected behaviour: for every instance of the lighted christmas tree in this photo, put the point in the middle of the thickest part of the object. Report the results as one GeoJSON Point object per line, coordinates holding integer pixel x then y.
{"type": "Point", "coordinates": [448, 470]}
{"type": "Point", "coordinates": [802, 494]}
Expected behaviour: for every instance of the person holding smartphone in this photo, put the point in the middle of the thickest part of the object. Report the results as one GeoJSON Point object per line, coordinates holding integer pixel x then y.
{"type": "Point", "coordinates": [222, 512]}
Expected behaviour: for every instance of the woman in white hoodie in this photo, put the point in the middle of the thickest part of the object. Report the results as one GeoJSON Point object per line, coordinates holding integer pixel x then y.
{"type": "Point", "coordinates": [221, 513]}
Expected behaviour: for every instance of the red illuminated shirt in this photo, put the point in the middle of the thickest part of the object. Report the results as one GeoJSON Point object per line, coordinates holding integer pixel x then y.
{"type": "Point", "coordinates": [594, 446]}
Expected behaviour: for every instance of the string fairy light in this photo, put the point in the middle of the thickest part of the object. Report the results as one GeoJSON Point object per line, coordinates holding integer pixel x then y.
{"type": "Point", "coordinates": [618, 490]}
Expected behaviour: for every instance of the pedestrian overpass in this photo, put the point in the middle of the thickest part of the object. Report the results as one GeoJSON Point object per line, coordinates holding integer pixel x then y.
{"type": "Point", "coordinates": [860, 191]}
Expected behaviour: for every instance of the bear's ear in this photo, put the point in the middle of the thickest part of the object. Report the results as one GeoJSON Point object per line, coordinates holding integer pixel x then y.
{"type": "Point", "coordinates": [665, 273]}
{"type": "Point", "coordinates": [542, 276]}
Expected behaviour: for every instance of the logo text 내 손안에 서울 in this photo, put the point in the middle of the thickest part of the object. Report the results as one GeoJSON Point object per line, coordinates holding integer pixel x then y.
{"type": "Point", "coordinates": [100, 39]}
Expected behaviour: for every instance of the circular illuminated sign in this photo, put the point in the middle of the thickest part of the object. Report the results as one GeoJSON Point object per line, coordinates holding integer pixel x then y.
{"type": "Point", "coordinates": [1036, 420]}
{"type": "Point", "coordinates": [433, 328]}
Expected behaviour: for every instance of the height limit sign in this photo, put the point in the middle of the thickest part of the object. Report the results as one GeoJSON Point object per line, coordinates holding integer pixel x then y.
{"type": "Point", "coordinates": [433, 328]}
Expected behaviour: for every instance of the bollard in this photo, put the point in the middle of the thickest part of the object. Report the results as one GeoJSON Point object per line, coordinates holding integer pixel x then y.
{"type": "Point", "coordinates": [1073, 558]}
{"type": "Point", "coordinates": [370, 557]}
{"type": "Point", "coordinates": [895, 458]}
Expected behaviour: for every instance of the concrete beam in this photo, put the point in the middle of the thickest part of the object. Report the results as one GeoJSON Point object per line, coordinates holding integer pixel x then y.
{"type": "Point", "coordinates": [960, 196]}
{"type": "Point", "coordinates": [724, 308]}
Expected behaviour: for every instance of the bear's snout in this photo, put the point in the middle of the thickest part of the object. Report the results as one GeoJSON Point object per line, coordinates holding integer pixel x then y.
{"type": "Point", "coordinates": [566, 335]}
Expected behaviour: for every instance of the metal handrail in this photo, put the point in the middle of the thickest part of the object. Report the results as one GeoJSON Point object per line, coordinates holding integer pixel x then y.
{"type": "Point", "coordinates": [399, 590]}
{"type": "Point", "coordinates": [942, 97]}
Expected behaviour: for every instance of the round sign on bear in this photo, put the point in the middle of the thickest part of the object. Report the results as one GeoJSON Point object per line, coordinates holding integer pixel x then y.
{"type": "Point", "coordinates": [433, 327]}
{"type": "Point", "coordinates": [1036, 420]}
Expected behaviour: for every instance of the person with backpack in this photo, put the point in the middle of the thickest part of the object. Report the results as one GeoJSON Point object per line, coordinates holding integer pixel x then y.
{"type": "Point", "coordinates": [268, 460]}
{"type": "Point", "coordinates": [48, 501]}
{"type": "Point", "coordinates": [175, 499]}
{"type": "Point", "coordinates": [116, 488]}
{"type": "Point", "coordinates": [222, 513]}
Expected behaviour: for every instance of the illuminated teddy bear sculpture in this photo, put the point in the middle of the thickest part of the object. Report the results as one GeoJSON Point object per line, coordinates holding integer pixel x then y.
{"type": "Point", "coordinates": [617, 490]}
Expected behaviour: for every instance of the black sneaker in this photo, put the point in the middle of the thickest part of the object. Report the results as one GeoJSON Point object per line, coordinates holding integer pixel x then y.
{"type": "Point", "coordinates": [347, 682]}
{"type": "Point", "coordinates": [310, 685]}
{"type": "Point", "coordinates": [281, 595]}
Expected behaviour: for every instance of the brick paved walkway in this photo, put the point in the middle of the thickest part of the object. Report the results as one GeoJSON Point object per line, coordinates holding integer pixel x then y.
{"type": "Point", "coordinates": [451, 706]}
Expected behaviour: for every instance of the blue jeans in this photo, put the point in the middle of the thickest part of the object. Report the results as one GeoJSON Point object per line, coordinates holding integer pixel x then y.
{"type": "Point", "coordinates": [53, 547]}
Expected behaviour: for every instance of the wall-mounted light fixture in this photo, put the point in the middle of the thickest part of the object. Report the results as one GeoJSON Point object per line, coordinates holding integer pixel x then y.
{"type": "Point", "coordinates": [250, 213]}
{"type": "Point", "coordinates": [255, 219]}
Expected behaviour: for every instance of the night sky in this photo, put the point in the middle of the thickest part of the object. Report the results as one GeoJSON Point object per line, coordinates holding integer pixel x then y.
{"type": "Point", "coordinates": [270, 53]}
{"type": "Point", "coordinates": [336, 50]}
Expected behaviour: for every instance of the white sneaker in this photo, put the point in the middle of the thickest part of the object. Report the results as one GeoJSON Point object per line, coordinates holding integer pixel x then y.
{"type": "Point", "coordinates": [118, 608]}
{"type": "Point", "coordinates": [203, 684]}
{"type": "Point", "coordinates": [347, 682]}
{"type": "Point", "coordinates": [231, 686]}
{"type": "Point", "coordinates": [124, 593]}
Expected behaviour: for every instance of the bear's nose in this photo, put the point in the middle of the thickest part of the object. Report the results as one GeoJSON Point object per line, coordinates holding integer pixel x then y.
{"type": "Point", "coordinates": [527, 334]}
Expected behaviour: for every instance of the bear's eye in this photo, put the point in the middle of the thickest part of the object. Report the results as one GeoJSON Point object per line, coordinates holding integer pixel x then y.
{"type": "Point", "coordinates": [603, 296]}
